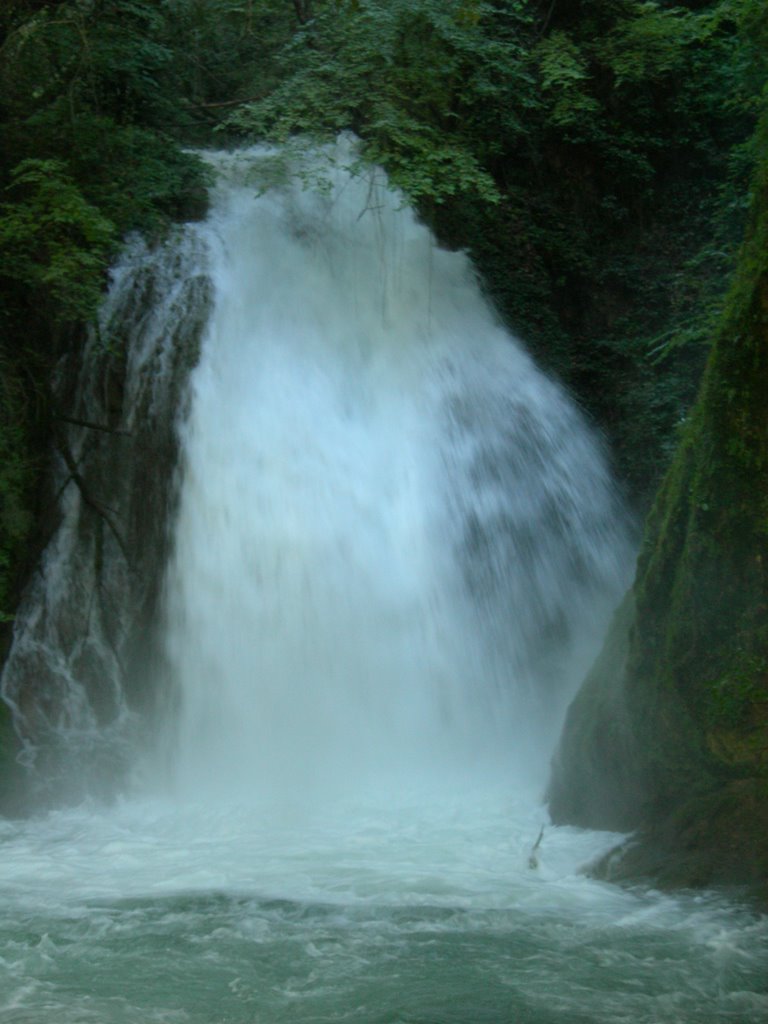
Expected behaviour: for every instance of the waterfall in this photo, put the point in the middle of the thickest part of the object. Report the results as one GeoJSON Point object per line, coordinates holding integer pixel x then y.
{"type": "Point", "coordinates": [397, 540]}
{"type": "Point", "coordinates": [392, 542]}
{"type": "Point", "coordinates": [315, 602]}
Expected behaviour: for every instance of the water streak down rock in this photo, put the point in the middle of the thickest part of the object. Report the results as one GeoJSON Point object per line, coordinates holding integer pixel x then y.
{"type": "Point", "coordinates": [84, 634]}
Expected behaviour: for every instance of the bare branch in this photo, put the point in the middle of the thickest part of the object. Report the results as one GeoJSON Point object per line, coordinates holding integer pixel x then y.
{"type": "Point", "coordinates": [90, 501]}
{"type": "Point", "coordinates": [93, 426]}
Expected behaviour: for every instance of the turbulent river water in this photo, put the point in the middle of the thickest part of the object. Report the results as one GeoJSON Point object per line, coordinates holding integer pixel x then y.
{"type": "Point", "coordinates": [395, 548]}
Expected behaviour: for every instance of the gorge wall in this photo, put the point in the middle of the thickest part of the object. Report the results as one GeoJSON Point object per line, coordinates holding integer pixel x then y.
{"type": "Point", "coordinates": [669, 734]}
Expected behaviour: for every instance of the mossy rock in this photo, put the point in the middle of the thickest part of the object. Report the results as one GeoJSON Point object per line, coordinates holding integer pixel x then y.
{"type": "Point", "coordinates": [669, 735]}
{"type": "Point", "coordinates": [592, 781]}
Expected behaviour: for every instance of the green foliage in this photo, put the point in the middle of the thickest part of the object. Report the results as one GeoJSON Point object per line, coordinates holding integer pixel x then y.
{"type": "Point", "coordinates": [651, 45]}
{"type": "Point", "coordinates": [223, 53]}
{"type": "Point", "coordinates": [54, 242]}
{"type": "Point", "coordinates": [84, 83]}
{"type": "Point", "coordinates": [564, 81]}
{"type": "Point", "coordinates": [414, 79]}
{"type": "Point", "coordinates": [732, 698]}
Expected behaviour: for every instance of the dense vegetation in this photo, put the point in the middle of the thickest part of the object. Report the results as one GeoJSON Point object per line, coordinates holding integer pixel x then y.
{"type": "Point", "coordinates": [592, 155]}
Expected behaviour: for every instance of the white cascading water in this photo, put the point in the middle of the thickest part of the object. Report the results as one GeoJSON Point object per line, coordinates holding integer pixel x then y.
{"type": "Point", "coordinates": [395, 547]}
{"type": "Point", "coordinates": [397, 539]}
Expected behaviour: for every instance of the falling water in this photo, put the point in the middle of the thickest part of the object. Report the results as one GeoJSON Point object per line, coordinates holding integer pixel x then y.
{"type": "Point", "coordinates": [397, 539]}
{"type": "Point", "coordinates": [393, 552]}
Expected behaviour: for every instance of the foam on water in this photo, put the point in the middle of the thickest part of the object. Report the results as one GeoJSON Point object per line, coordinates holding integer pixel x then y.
{"type": "Point", "coordinates": [159, 913]}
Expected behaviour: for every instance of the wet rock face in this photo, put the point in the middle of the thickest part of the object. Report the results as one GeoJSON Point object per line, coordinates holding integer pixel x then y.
{"type": "Point", "coordinates": [634, 758]}
{"type": "Point", "coordinates": [79, 672]}
{"type": "Point", "coordinates": [595, 775]}
{"type": "Point", "coordinates": [669, 734]}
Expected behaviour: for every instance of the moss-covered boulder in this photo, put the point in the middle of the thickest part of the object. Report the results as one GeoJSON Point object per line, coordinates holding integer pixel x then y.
{"type": "Point", "coordinates": [669, 735]}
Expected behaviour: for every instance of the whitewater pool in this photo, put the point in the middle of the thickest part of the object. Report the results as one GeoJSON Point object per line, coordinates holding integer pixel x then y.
{"type": "Point", "coordinates": [155, 912]}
